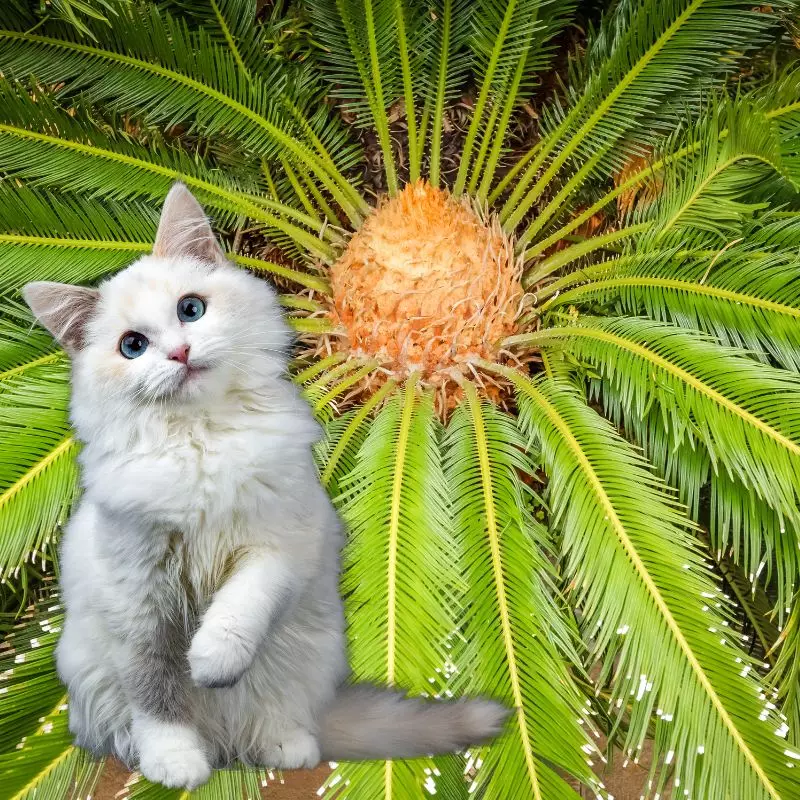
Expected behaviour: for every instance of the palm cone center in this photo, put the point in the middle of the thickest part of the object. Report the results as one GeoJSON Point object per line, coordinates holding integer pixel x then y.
{"type": "Point", "coordinates": [427, 285]}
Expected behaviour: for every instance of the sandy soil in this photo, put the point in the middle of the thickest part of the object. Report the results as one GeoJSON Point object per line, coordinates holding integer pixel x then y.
{"type": "Point", "coordinates": [299, 785]}
{"type": "Point", "coordinates": [623, 784]}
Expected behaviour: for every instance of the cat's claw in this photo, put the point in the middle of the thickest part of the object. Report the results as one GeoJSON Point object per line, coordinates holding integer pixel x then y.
{"type": "Point", "coordinates": [218, 657]}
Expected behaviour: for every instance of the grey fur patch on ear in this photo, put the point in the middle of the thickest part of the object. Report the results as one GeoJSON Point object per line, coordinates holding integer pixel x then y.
{"type": "Point", "coordinates": [63, 309]}
{"type": "Point", "coordinates": [184, 230]}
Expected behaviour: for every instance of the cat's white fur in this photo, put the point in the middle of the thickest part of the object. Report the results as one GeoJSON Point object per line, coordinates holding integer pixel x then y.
{"type": "Point", "coordinates": [200, 569]}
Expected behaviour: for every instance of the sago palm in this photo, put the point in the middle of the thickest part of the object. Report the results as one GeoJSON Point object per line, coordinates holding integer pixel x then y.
{"type": "Point", "coordinates": [556, 360]}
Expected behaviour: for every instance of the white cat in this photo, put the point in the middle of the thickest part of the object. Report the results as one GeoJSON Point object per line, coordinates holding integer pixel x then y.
{"type": "Point", "coordinates": [200, 569]}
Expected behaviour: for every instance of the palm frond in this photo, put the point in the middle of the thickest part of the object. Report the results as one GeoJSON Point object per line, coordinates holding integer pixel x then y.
{"type": "Point", "coordinates": [361, 52]}
{"type": "Point", "coordinates": [48, 766]}
{"type": "Point", "coordinates": [326, 404]}
{"type": "Point", "coordinates": [705, 393]}
{"type": "Point", "coordinates": [778, 100]}
{"type": "Point", "coordinates": [662, 648]}
{"type": "Point", "coordinates": [777, 103]}
{"type": "Point", "coordinates": [47, 146]}
{"type": "Point", "coordinates": [37, 758]}
{"type": "Point", "coordinates": [759, 539]}
{"type": "Point", "coordinates": [753, 600]}
{"type": "Point", "coordinates": [646, 53]}
{"type": "Point", "coordinates": [742, 528]}
{"type": "Point", "coordinates": [49, 235]}
{"type": "Point", "coordinates": [449, 777]}
{"type": "Point", "coordinates": [732, 168]}
{"type": "Point", "coordinates": [78, 12]}
{"type": "Point", "coordinates": [234, 783]}
{"type": "Point", "coordinates": [235, 24]}
{"type": "Point", "coordinates": [785, 678]}
{"type": "Point", "coordinates": [512, 628]}
{"type": "Point", "coordinates": [448, 66]}
{"type": "Point", "coordinates": [149, 61]}
{"type": "Point", "coordinates": [322, 390]}
{"type": "Point", "coordinates": [38, 475]}
{"type": "Point", "coordinates": [535, 58]}
{"type": "Point", "coordinates": [706, 419]}
{"type": "Point", "coordinates": [745, 532]}
{"type": "Point", "coordinates": [31, 688]}
{"type": "Point", "coordinates": [706, 197]}
{"type": "Point", "coordinates": [509, 46]}
{"type": "Point", "coordinates": [746, 294]}
{"type": "Point", "coordinates": [398, 572]}
{"type": "Point", "coordinates": [337, 453]}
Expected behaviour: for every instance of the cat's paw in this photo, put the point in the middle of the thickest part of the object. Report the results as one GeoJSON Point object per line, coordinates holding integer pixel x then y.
{"type": "Point", "coordinates": [173, 755]}
{"type": "Point", "coordinates": [297, 750]}
{"type": "Point", "coordinates": [219, 654]}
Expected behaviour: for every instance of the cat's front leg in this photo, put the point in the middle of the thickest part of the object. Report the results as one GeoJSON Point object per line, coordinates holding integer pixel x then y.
{"type": "Point", "coordinates": [171, 751]}
{"type": "Point", "coordinates": [239, 617]}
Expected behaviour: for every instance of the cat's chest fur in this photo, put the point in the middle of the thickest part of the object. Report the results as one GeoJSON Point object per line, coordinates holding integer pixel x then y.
{"type": "Point", "coordinates": [205, 474]}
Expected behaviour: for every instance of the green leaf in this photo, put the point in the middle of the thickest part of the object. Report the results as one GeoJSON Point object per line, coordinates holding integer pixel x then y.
{"type": "Point", "coordinates": [644, 54]}
{"type": "Point", "coordinates": [399, 576]}
{"type": "Point", "coordinates": [29, 686]}
{"type": "Point", "coordinates": [745, 414]}
{"type": "Point", "coordinates": [38, 475]}
{"type": "Point", "coordinates": [37, 758]}
{"type": "Point", "coordinates": [641, 584]}
{"type": "Point", "coordinates": [512, 627]}
{"type": "Point", "coordinates": [147, 60]}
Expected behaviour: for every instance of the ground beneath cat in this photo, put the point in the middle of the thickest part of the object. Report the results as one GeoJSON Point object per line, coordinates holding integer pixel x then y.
{"type": "Point", "coordinates": [623, 784]}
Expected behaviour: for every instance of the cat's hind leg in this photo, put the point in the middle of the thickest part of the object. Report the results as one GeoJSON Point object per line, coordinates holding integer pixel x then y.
{"type": "Point", "coordinates": [292, 748]}
{"type": "Point", "coordinates": [99, 714]}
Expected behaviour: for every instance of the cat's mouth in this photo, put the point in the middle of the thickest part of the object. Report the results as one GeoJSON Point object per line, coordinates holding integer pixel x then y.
{"type": "Point", "coordinates": [193, 370]}
{"type": "Point", "coordinates": [190, 374]}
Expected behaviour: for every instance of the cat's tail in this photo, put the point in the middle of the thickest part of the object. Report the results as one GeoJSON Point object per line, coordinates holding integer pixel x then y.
{"type": "Point", "coordinates": [366, 722]}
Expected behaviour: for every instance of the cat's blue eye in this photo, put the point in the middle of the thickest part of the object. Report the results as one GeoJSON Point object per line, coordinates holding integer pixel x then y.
{"type": "Point", "coordinates": [133, 344]}
{"type": "Point", "coordinates": [190, 308]}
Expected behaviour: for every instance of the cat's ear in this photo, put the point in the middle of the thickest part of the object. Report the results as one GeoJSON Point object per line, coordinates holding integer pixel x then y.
{"type": "Point", "coordinates": [63, 309]}
{"type": "Point", "coordinates": [184, 230]}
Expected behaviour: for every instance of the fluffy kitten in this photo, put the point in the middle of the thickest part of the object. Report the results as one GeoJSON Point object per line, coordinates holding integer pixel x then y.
{"type": "Point", "coordinates": [200, 569]}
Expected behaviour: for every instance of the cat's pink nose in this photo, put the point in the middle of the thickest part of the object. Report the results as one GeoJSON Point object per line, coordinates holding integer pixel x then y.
{"type": "Point", "coordinates": [180, 354]}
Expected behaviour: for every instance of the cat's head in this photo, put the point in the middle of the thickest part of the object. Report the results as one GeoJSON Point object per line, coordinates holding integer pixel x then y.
{"type": "Point", "coordinates": [179, 326]}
